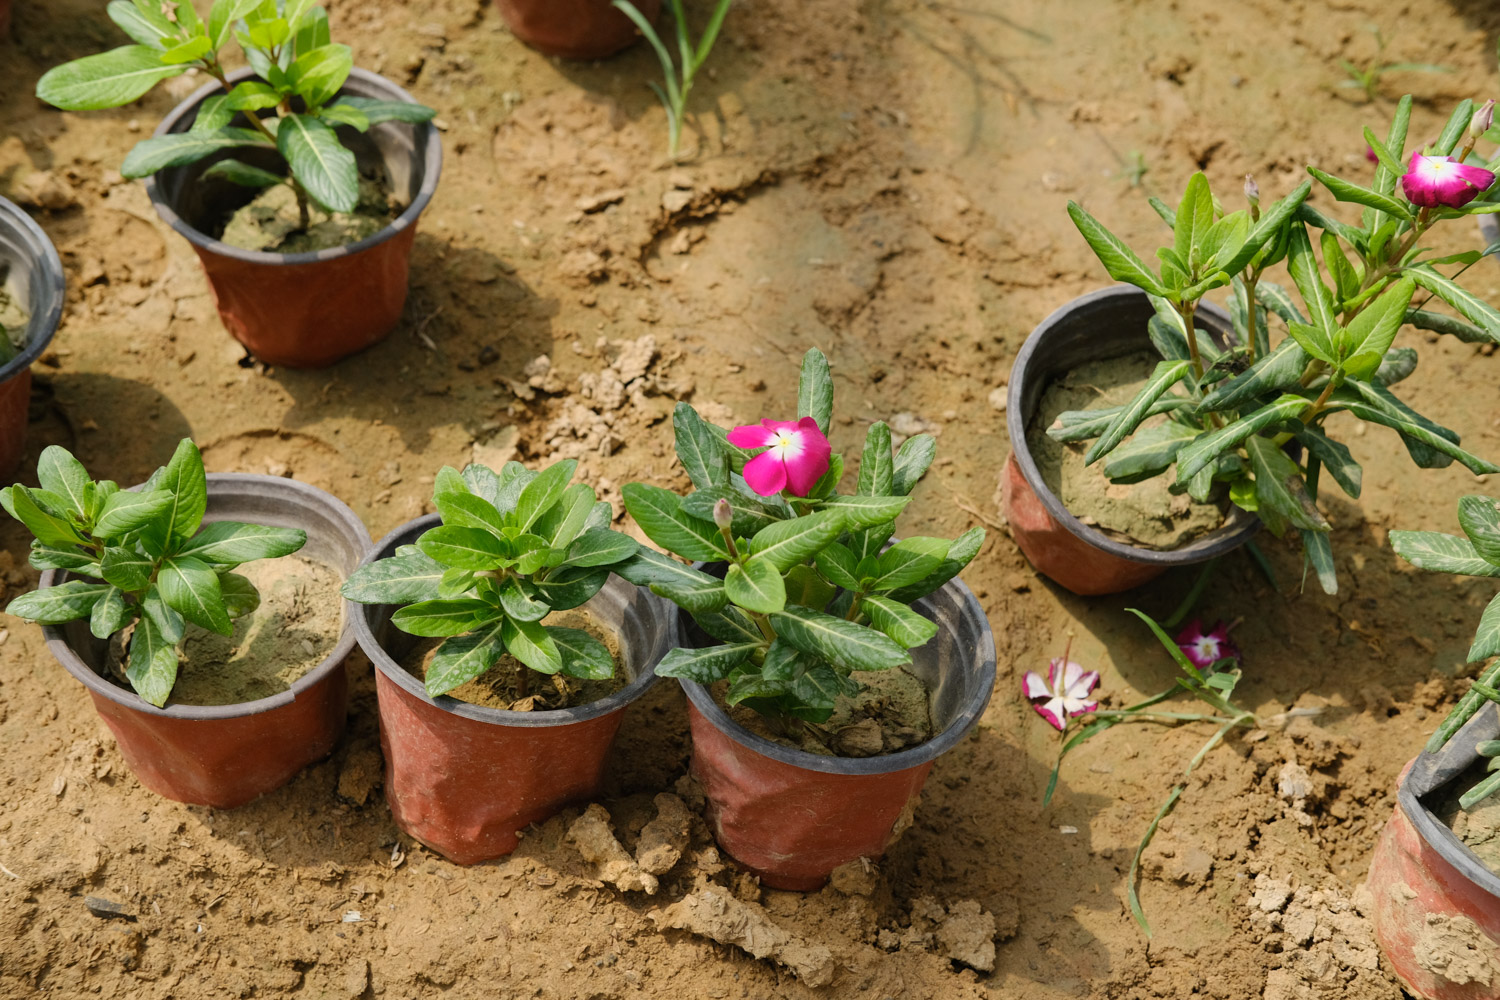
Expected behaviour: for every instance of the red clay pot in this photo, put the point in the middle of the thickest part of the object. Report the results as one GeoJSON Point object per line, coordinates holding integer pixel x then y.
{"type": "Point", "coordinates": [1436, 906]}
{"type": "Point", "coordinates": [574, 29]}
{"type": "Point", "coordinates": [226, 755]}
{"type": "Point", "coordinates": [792, 817]}
{"type": "Point", "coordinates": [462, 778]}
{"type": "Point", "coordinates": [1107, 323]}
{"type": "Point", "coordinates": [305, 310]}
{"type": "Point", "coordinates": [36, 278]}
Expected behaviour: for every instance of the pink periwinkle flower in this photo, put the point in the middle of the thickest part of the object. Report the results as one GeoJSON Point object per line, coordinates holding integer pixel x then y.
{"type": "Point", "coordinates": [1065, 692]}
{"type": "Point", "coordinates": [1370, 154]}
{"type": "Point", "coordinates": [1433, 181]}
{"type": "Point", "coordinates": [1205, 649]}
{"type": "Point", "coordinates": [796, 455]}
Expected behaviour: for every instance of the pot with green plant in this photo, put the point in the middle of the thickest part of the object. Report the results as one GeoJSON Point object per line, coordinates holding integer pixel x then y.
{"type": "Point", "coordinates": [505, 654]}
{"type": "Point", "coordinates": [298, 179]}
{"type": "Point", "coordinates": [220, 681]}
{"type": "Point", "coordinates": [826, 667]}
{"type": "Point", "coordinates": [1435, 874]}
{"type": "Point", "coordinates": [31, 301]}
{"type": "Point", "coordinates": [573, 29]}
{"type": "Point", "coordinates": [1237, 420]}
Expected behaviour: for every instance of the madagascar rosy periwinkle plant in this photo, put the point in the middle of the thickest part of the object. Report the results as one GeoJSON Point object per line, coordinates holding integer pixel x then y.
{"type": "Point", "coordinates": [513, 547]}
{"type": "Point", "coordinates": [1232, 409]}
{"type": "Point", "coordinates": [142, 558]}
{"type": "Point", "coordinates": [1476, 553]}
{"type": "Point", "coordinates": [809, 593]}
{"type": "Point", "coordinates": [299, 70]}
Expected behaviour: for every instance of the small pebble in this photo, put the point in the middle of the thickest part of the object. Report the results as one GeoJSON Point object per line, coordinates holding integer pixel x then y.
{"type": "Point", "coordinates": [104, 908]}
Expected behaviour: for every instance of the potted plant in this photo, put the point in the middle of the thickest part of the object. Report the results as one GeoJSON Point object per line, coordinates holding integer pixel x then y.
{"type": "Point", "coordinates": [31, 301]}
{"type": "Point", "coordinates": [832, 668]}
{"type": "Point", "coordinates": [1228, 412]}
{"type": "Point", "coordinates": [511, 715]}
{"type": "Point", "coordinates": [140, 598]}
{"type": "Point", "coordinates": [573, 29]}
{"type": "Point", "coordinates": [298, 179]}
{"type": "Point", "coordinates": [1435, 875]}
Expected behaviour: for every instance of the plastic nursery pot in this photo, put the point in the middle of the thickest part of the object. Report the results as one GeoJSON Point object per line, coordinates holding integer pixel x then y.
{"type": "Point", "coordinates": [792, 817]}
{"type": "Point", "coordinates": [1108, 323]}
{"type": "Point", "coordinates": [1437, 907]}
{"type": "Point", "coordinates": [36, 280]}
{"type": "Point", "coordinates": [305, 310]}
{"type": "Point", "coordinates": [463, 778]}
{"type": "Point", "coordinates": [574, 29]}
{"type": "Point", "coordinates": [225, 755]}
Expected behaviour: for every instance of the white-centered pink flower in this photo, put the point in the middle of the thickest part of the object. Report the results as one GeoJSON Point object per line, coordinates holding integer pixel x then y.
{"type": "Point", "coordinates": [1207, 648]}
{"type": "Point", "coordinates": [795, 457]}
{"type": "Point", "coordinates": [1064, 693]}
{"type": "Point", "coordinates": [1442, 181]}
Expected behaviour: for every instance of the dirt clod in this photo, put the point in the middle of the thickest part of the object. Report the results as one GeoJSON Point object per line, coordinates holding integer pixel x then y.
{"type": "Point", "coordinates": [592, 835]}
{"type": "Point", "coordinates": [664, 839]}
{"type": "Point", "coordinates": [713, 913]}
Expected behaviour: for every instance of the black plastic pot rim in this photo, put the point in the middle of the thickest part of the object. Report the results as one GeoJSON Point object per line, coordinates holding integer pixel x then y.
{"type": "Point", "coordinates": [127, 698]}
{"type": "Point", "coordinates": [916, 756]}
{"type": "Point", "coordinates": [1432, 771]}
{"type": "Point", "coordinates": [38, 333]}
{"type": "Point", "coordinates": [407, 218]}
{"type": "Point", "coordinates": [404, 679]}
{"type": "Point", "coordinates": [1239, 526]}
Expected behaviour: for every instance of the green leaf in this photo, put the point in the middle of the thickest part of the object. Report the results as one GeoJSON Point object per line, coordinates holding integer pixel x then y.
{"type": "Point", "coordinates": [1118, 259]}
{"type": "Point", "coordinates": [319, 162]}
{"type": "Point", "coordinates": [912, 461]}
{"type": "Point", "coordinates": [1335, 457]}
{"type": "Point", "coordinates": [600, 547]}
{"type": "Point", "coordinates": [1472, 307]}
{"type": "Point", "coordinates": [125, 512]}
{"type": "Point", "coordinates": [908, 561]}
{"type": "Point", "coordinates": [394, 580]}
{"type": "Point", "coordinates": [1346, 284]}
{"type": "Point", "coordinates": [481, 480]}
{"type": "Point", "coordinates": [186, 52]}
{"type": "Point", "coordinates": [1423, 435]}
{"type": "Point", "coordinates": [543, 491]}
{"type": "Point", "coordinates": [1318, 551]}
{"type": "Point", "coordinates": [463, 658]}
{"type": "Point", "coordinates": [110, 614]}
{"type": "Point", "coordinates": [452, 617]}
{"type": "Point", "coordinates": [901, 623]}
{"type": "Point", "coordinates": [1225, 240]}
{"type": "Point", "coordinates": [243, 174]}
{"type": "Point", "coordinates": [344, 114]}
{"type": "Point", "coordinates": [820, 686]}
{"type": "Point", "coordinates": [1487, 636]}
{"type": "Point", "coordinates": [815, 389]}
{"type": "Point", "coordinates": [1458, 122]}
{"type": "Point", "coordinates": [65, 602]}
{"type": "Point", "coordinates": [60, 473]}
{"type": "Point", "coordinates": [176, 148]}
{"type": "Point", "coordinates": [755, 585]}
{"type": "Point", "coordinates": [50, 557]}
{"type": "Point", "coordinates": [229, 543]}
{"type": "Point", "coordinates": [561, 523]}
{"type": "Point", "coordinates": [153, 32]}
{"type": "Point", "coordinates": [747, 684]}
{"type": "Point", "coordinates": [1195, 457]}
{"type": "Point", "coordinates": [876, 464]}
{"type": "Point", "coordinates": [750, 514]}
{"type": "Point", "coordinates": [48, 525]}
{"type": "Point", "coordinates": [532, 645]}
{"type": "Point", "coordinates": [1479, 516]}
{"type": "Point", "coordinates": [707, 665]}
{"type": "Point", "coordinates": [1280, 495]}
{"type": "Point", "coordinates": [729, 625]}
{"type": "Point", "coordinates": [568, 588]}
{"type": "Point", "coordinates": [240, 595]}
{"type": "Point", "coordinates": [787, 543]}
{"type": "Point", "coordinates": [1149, 452]}
{"type": "Point", "coordinates": [152, 669]}
{"type": "Point", "coordinates": [1267, 228]}
{"type": "Point", "coordinates": [1166, 375]}
{"type": "Point", "coordinates": [463, 548]}
{"type": "Point", "coordinates": [582, 655]}
{"type": "Point", "coordinates": [697, 599]}
{"type": "Point", "coordinates": [659, 513]}
{"type": "Point", "coordinates": [838, 564]}
{"type": "Point", "coordinates": [1346, 191]}
{"type": "Point", "coordinates": [318, 75]}
{"type": "Point", "coordinates": [518, 603]}
{"type": "Point", "coordinates": [964, 548]}
{"type": "Point", "coordinates": [169, 624]}
{"type": "Point", "coordinates": [866, 512]}
{"type": "Point", "coordinates": [312, 31]}
{"type": "Point", "coordinates": [253, 95]}
{"type": "Point", "coordinates": [106, 80]}
{"type": "Point", "coordinates": [700, 450]}
{"type": "Point", "coordinates": [842, 643]}
{"type": "Point", "coordinates": [466, 510]}
{"type": "Point", "coordinates": [191, 588]}
{"type": "Point", "coordinates": [378, 111]}
{"type": "Point", "coordinates": [127, 569]}
{"type": "Point", "coordinates": [1441, 553]}
{"type": "Point", "coordinates": [1378, 397]}
{"type": "Point", "coordinates": [1398, 363]}
{"type": "Point", "coordinates": [213, 114]}
{"type": "Point", "coordinates": [221, 18]}
{"type": "Point", "coordinates": [185, 479]}
{"type": "Point", "coordinates": [1080, 425]}
{"type": "Point", "coordinates": [1195, 217]}
{"type": "Point", "coordinates": [1315, 295]}
{"type": "Point", "coordinates": [648, 567]}
{"type": "Point", "coordinates": [1374, 329]}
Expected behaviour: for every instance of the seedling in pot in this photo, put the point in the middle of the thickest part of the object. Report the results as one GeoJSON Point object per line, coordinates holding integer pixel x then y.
{"type": "Point", "coordinates": [514, 546]}
{"type": "Point", "coordinates": [809, 593]}
{"type": "Point", "coordinates": [678, 81]}
{"type": "Point", "coordinates": [158, 570]}
{"type": "Point", "coordinates": [1476, 553]}
{"type": "Point", "coordinates": [1233, 411]}
{"type": "Point", "coordinates": [299, 72]}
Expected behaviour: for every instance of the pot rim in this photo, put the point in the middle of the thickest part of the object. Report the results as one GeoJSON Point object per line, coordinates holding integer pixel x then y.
{"type": "Point", "coordinates": [432, 169]}
{"type": "Point", "coordinates": [405, 534]}
{"type": "Point", "coordinates": [1237, 528]}
{"type": "Point", "coordinates": [127, 698]}
{"type": "Point", "coordinates": [38, 333]}
{"type": "Point", "coordinates": [916, 756]}
{"type": "Point", "coordinates": [1431, 771]}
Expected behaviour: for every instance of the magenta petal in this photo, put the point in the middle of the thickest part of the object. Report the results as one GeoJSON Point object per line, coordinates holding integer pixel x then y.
{"type": "Point", "coordinates": [750, 436]}
{"type": "Point", "coordinates": [807, 466]}
{"type": "Point", "coordinates": [1432, 181]}
{"type": "Point", "coordinates": [765, 474]}
{"type": "Point", "coordinates": [1052, 712]}
{"type": "Point", "coordinates": [1034, 686]}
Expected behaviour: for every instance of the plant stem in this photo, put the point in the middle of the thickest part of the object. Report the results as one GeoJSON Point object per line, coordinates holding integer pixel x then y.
{"type": "Point", "coordinates": [1187, 311]}
{"type": "Point", "coordinates": [523, 681]}
{"type": "Point", "coordinates": [1250, 319]}
{"type": "Point", "coordinates": [1322, 401]}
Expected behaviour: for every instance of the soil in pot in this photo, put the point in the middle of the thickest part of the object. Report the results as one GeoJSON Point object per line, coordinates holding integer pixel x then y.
{"type": "Point", "coordinates": [13, 319]}
{"type": "Point", "coordinates": [272, 222]}
{"type": "Point", "coordinates": [892, 713]}
{"type": "Point", "coordinates": [499, 687]}
{"type": "Point", "coordinates": [298, 623]}
{"type": "Point", "coordinates": [1479, 827]}
{"type": "Point", "coordinates": [1146, 513]}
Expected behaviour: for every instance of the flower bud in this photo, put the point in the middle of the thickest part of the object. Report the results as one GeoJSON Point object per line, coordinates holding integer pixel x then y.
{"type": "Point", "coordinates": [1252, 195]}
{"type": "Point", "coordinates": [723, 514]}
{"type": "Point", "coordinates": [1482, 120]}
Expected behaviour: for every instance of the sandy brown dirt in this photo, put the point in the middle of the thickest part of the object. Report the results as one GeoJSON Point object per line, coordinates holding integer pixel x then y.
{"type": "Point", "coordinates": [885, 179]}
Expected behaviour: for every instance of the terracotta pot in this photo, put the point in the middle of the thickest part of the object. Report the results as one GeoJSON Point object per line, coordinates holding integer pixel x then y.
{"type": "Point", "coordinates": [1436, 905]}
{"type": "Point", "coordinates": [1108, 323]}
{"type": "Point", "coordinates": [574, 29]}
{"type": "Point", "coordinates": [462, 778]}
{"type": "Point", "coordinates": [225, 755]}
{"type": "Point", "coordinates": [305, 310]}
{"type": "Point", "coordinates": [792, 817]}
{"type": "Point", "coordinates": [36, 279]}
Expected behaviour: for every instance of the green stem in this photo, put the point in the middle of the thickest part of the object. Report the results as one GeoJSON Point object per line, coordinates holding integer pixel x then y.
{"type": "Point", "coordinates": [1193, 594]}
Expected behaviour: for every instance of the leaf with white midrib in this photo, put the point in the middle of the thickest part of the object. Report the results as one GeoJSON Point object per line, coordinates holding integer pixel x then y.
{"type": "Point", "coordinates": [787, 543]}
{"type": "Point", "coordinates": [319, 162]}
{"type": "Point", "coordinates": [843, 643]}
{"type": "Point", "coordinates": [1487, 637]}
{"type": "Point", "coordinates": [1438, 552]}
{"type": "Point", "coordinates": [463, 658]}
{"type": "Point", "coordinates": [152, 670]}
